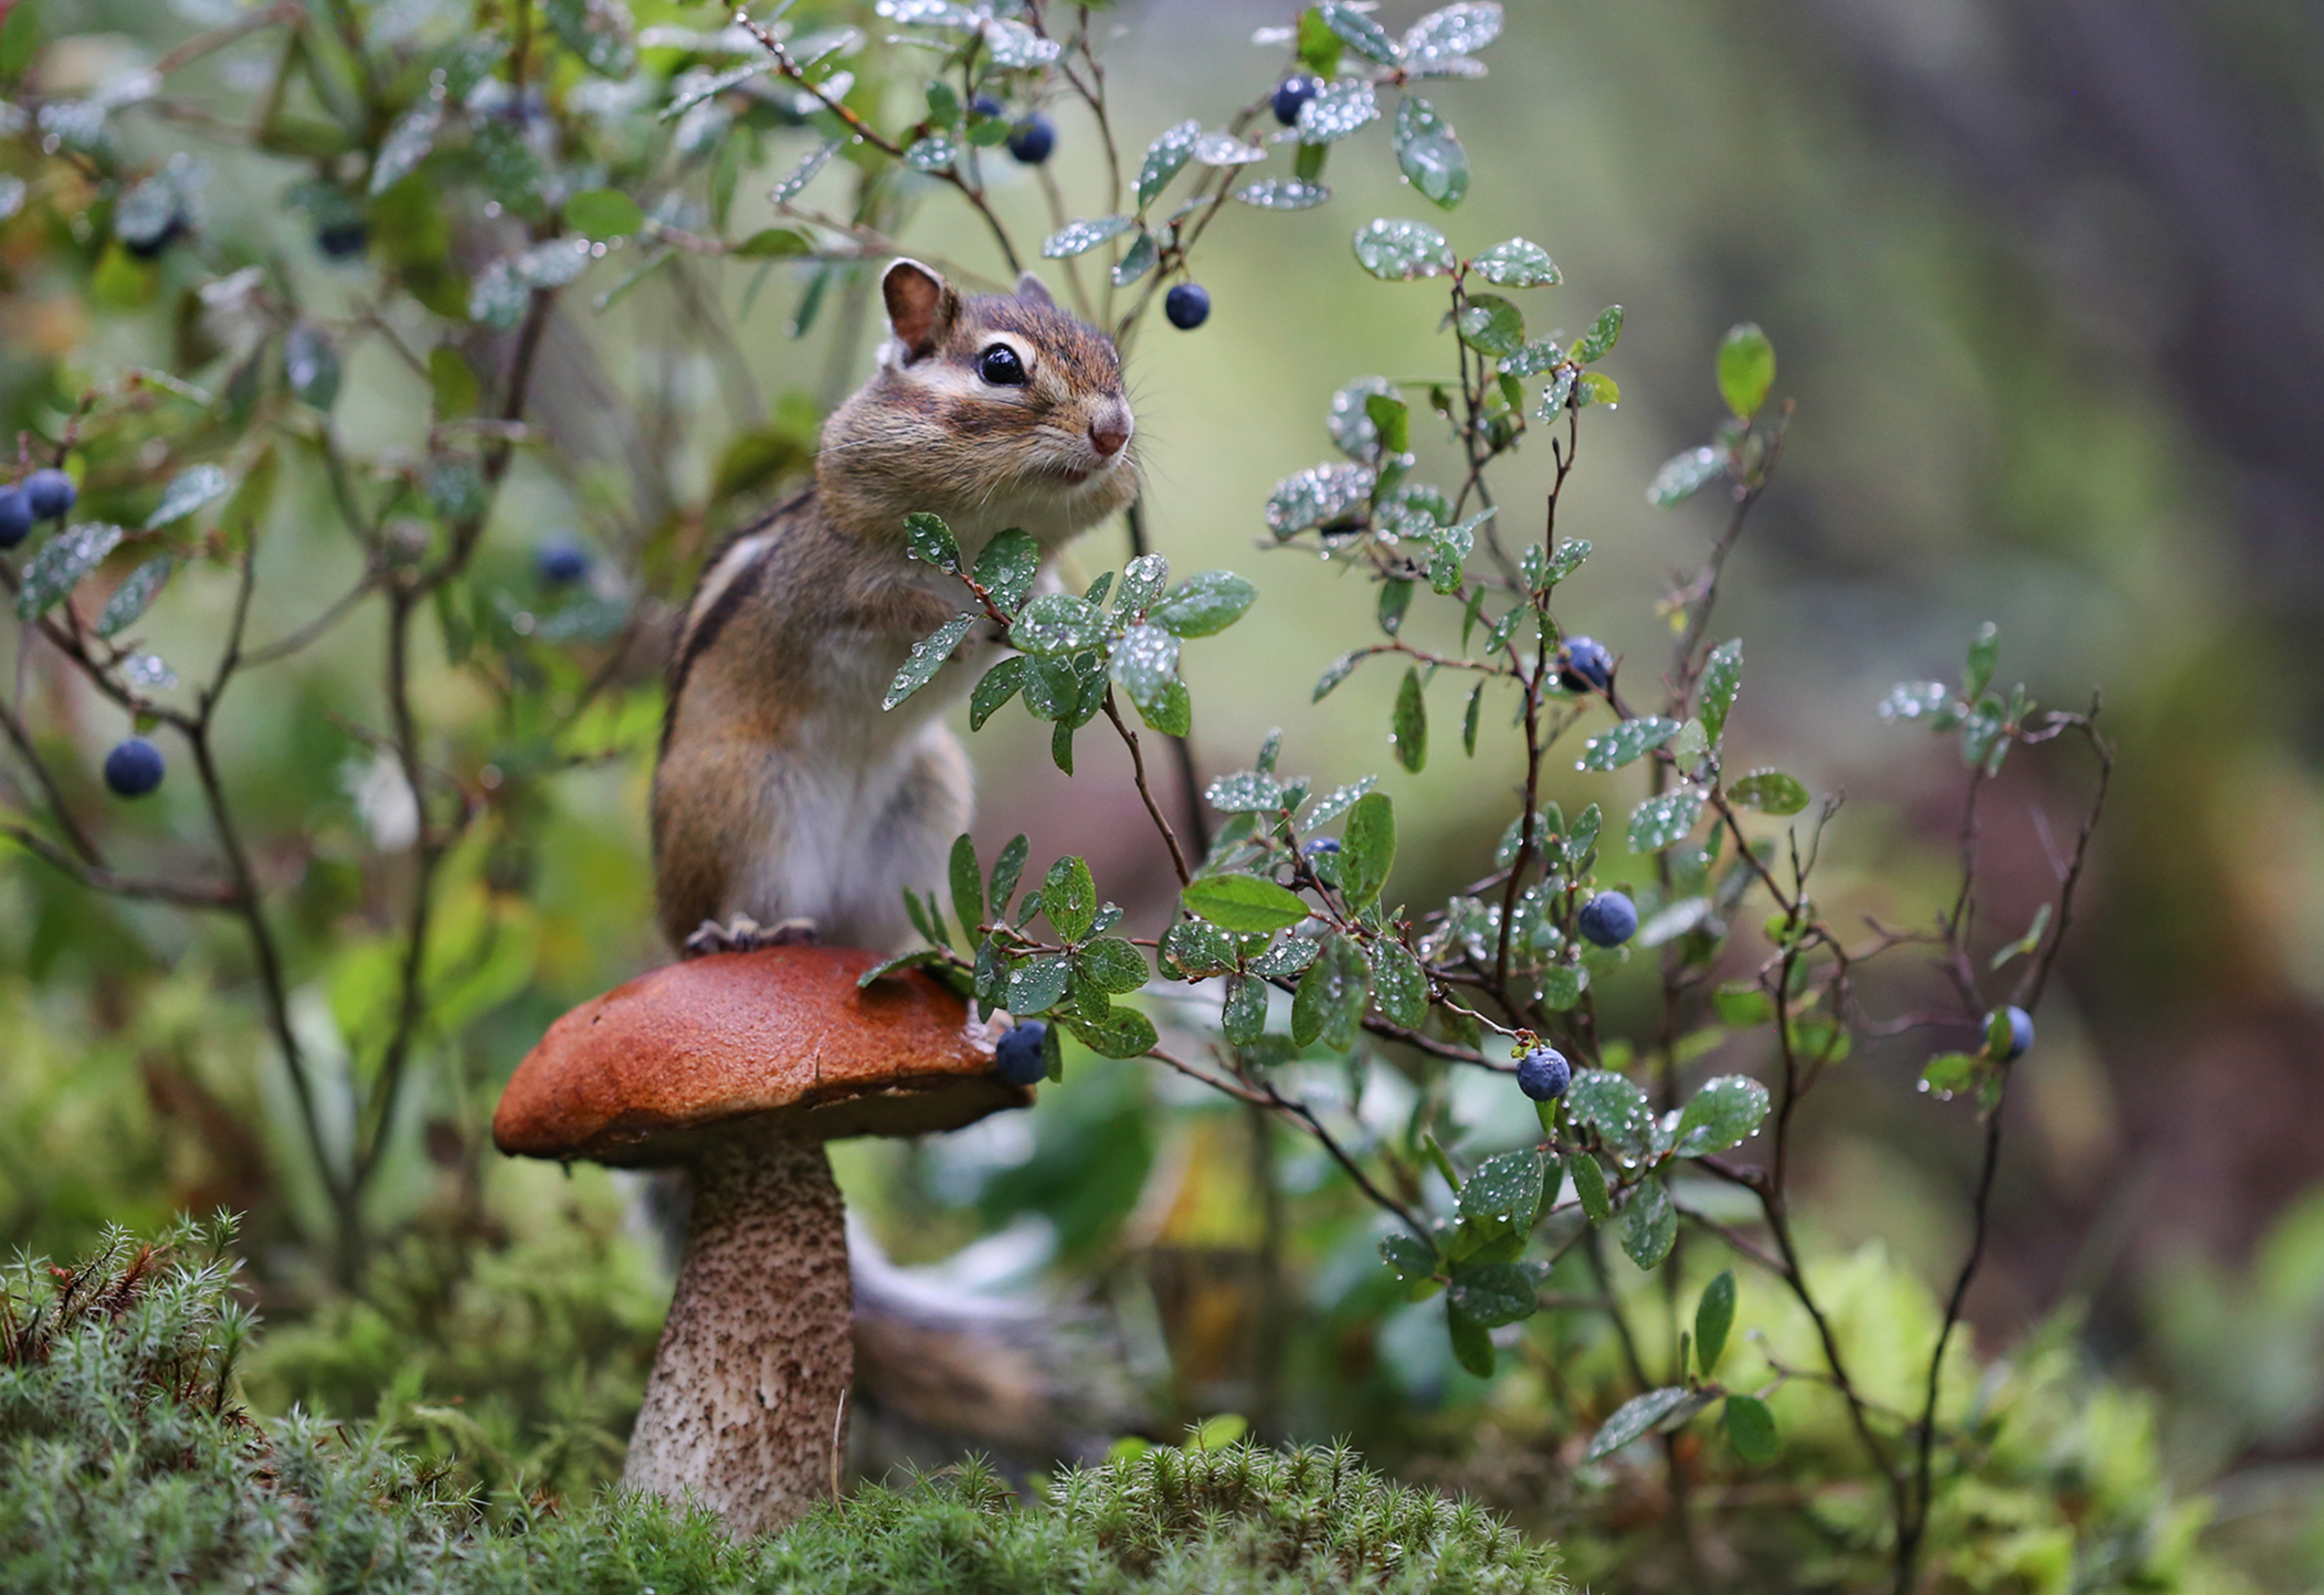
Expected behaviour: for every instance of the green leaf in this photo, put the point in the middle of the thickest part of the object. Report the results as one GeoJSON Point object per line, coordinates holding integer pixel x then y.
{"type": "Point", "coordinates": [1683, 474]}
{"type": "Point", "coordinates": [1123, 1033]}
{"type": "Point", "coordinates": [1665, 819]}
{"type": "Point", "coordinates": [1589, 1185]}
{"type": "Point", "coordinates": [135, 595]}
{"type": "Point", "coordinates": [1080, 237]}
{"type": "Point", "coordinates": [999, 685]}
{"type": "Point", "coordinates": [1627, 742]}
{"type": "Point", "coordinates": [1399, 988]}
{"type": "Point", "coordinates": [1984, 650]}
{"type": "Point", "coordinates": [1112, 964]}
{"type": "Point", "coordinates": [187, 491]}
{"type": "Point", "coordinates": [1036, 985]}
{"type": "Point", "coordinates": [774, 243]}
{"type": "Point", "coordinates": [1369, 849]}
{"type": "Point", "coordinates": [1472, 1344]}
{"type": "Point", "coordinates": [1948, 1073]}
{"type": "Point", "coordinates": [1143, 581]}
{"type": "Point", "coordinates": [61, 563]}
{"type": "Point", "coordinates": [1506, 1190]}
{"type": "Point", "coordinates": [1713, 1317]}
{"type": "Point", "coordinates": [1245, 791]}
{"type": "Point", "coordinates": [1598, 342]}
{"type": "Point", "coordinates": [1164, 158]}
{"type": "Point", "coordinates": [1651, 1228]}
{"type": "Point", "coordinates": [1411, 1257]}
{"type": "Point", "coordinates": [456, 489]}
{"type": "Point", "coordinates": [1359, 31]}
{"type": "Point", "coordinates": [1146, 665]}
{"type": "Point", "coordinates": [1198, 949]}
{"type": "Point", "coordinates": [1747, 370]}
{"type": "Point", "coordinates": [1320, 496]}
{"type": "Point", "coordinates": [1006, 568]}
{"type": "Point", "coordinates": [917, 958]}
{"type": "Point", "coordinates": [1563, 986]}
{"type": "Point", "coordinates": [1245, 905]}
{"type": "Point", "coordinates": [2020, 948]}
{"type": "Point", "coordinates": [1399, 251]}
{"type": "Point", "coordinates": [1516, 264]}
{"type": "Point", "coordinates": [1068, 896]}
{"type": "Point", "coordinates": [1006, 870]}
{"type": "Point", "coordinates": [926, 658]}
{"type": "Point", "coordinates": [1722, 677]}
{"type": "Point", "coordinates": [1395, 599]}
{"type": "Point", "coordinates": [1057, 625]}
{"type": "Point", "coordinates": [1770, 792]}
{"type": "Point", "coordinates": [1319, 48]}
{"type": "Point", "coordinates": [1408, 726]}
{"type": "Point", "coordinates": [1429, 152]}
{"type": "Point", "coordinates": [1490, 325]}
{"type": "Point", "coordinates": [1337, 802]}
{"type": "Point", "coordinates": [1635, 1418]}
{"type": "Point", "coordinates": [1597, 388]}
{"type": "Point", "coordinates": [1608, 1103]}
{"type": "Point", "coordinates": [1751, 1429]}
{"type": "Point", "coordinates": [593, 36]}
{"type": "Point", "coordinates": [1469, 720]}
{"type": "Point", "coordinates": [1391, 422]}
{"type": "Point", "coordinates": [967, 884]}
{"type": "Point", "coordinates": [310, 364]}
{"type": "Point", "coordinates": [928, 539]}
{"type": "Point", "coordinates": [603, 214]}
{"type": "Point", "coordinates": [1171, 714]}
{"type": "Point", "coordinates": [1496, 1294]}
{"type": "Point", "coordinates": [1721, 1115]}
{"type": "Point", "coordinates": [1329, 1003]}
{"type": "Point", "coordinates": [1204, 604]}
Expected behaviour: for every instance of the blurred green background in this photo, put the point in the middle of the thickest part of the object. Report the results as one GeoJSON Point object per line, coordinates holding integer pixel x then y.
{"type": "Point", "coordinates": [2044, 281]}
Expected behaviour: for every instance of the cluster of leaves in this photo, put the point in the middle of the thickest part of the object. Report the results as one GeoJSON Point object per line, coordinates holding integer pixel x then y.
{"type": "Point", "coordinates": [127, 1464]}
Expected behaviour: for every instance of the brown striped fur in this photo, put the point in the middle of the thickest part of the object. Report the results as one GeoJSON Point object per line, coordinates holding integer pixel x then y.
{"type": "Point", "coordinates": [784, 790]}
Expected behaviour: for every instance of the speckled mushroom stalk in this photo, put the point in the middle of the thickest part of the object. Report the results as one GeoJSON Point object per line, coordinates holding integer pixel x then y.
{"type": "Point", "coordinates": [739, 1067]}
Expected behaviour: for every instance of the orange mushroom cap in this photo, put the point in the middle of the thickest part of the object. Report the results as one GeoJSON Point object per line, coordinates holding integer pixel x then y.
{"type": "Point", "coordinates": [782, 1039]}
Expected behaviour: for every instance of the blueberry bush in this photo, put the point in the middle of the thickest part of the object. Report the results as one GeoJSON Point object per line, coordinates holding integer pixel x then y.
{"type": "Point", "coordinates": [358, 240]}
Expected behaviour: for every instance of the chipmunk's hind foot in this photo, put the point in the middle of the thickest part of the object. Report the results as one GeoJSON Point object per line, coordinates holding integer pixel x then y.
{"type": "Point", "coordinates": [745, 934]}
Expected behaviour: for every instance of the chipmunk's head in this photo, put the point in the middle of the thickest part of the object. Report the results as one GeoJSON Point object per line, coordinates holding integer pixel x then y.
{"type": "Point", "coordinates": [993, 411]}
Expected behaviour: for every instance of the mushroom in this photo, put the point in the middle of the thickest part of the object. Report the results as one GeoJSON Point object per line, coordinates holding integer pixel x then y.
{"type": "Point", "coordinates": [739, 1067]}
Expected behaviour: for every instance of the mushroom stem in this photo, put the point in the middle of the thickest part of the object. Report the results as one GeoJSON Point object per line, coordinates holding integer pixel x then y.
{"type": "Point", "coordinates": [744, 1400]}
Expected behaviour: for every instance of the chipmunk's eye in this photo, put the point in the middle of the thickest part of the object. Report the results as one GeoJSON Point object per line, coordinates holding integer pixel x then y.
{"type": "Point", "coordinates": [999, 366]}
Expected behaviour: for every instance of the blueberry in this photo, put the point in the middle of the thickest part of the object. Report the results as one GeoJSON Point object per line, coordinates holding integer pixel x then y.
{"type": "Point", "coordinates": [1609, 919]}
{"type": "Point", "coordinates": [133, 769]}
{"type": "Point", "coordinates": [984, 105]}
{"type": "Point", "coordinates": [1019, 1058]}
{"type": "Point", "coordinates": [1187, 305]}
{"type": "Point", "coordinates": [343, 241]}
{"type": "Point", "coordinates": [1321, 844]}
{"type": "Point", "coordinates": [1543, 1073]}
{"type": "Point", "coordinates": [1032, 140]}
{"type": "Point", "coordinates": [50, 493]}
{"type": "Point", "coordinates": [1290, 94]}
{"type": "Point", "coordinates": [14, 516]}
{"type": "Point", "coordinates": [2021, 1033]}
{"type": "Point", "coordinates": [560, 561]}
{"type": "Point", "coordinates": [1583, 663]}
{"type": "Point", "coordinates": [150, 248]}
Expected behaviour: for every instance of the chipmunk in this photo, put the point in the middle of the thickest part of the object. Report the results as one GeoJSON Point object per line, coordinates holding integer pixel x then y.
{"type": "Point", "coordinates": [786, 805]}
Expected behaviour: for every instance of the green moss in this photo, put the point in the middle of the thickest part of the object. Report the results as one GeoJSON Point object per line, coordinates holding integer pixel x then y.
{"type": "Point", "coordinates": [128, 1464]}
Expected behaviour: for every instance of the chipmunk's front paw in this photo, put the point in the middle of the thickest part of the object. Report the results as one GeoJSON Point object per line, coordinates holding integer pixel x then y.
{"type": "Point", "coordinates": [745, 934]}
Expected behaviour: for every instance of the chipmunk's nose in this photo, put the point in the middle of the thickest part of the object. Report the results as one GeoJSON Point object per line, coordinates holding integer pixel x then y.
{"type": "Point", "coordinates": [1110, 429]}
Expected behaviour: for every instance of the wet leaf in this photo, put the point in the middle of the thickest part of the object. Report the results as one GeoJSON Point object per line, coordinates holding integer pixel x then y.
{"type": "Point", "coordinates": [1713, 1317]}
{"type": "Point", "coordinates": [1246, 791]}
{"type": "Point", "coordinates": [927, 538]}
{"type": "Point", "coordinates": [1036, 985]}
{"type": "Point", "coordinates": [1399, 251]}
{"type": "Point", "coordinates": [1650, 1228]}
{"type": "Point", "coordinates": [134, 596]}
{"type": "Point", "coordinates": [1112, 964]}
{"type": "Point", "coordinates": [1006, 568]}
{"type": "Point", "coordinates": [1682, 474]}
{"type": "Point", "coordinates": [1665, 819]}
{"type": "Point", "coordinates": [1146, 665]}
{"type": "Point", "coordinates": [796, 180]}
{"type": "Point", "coordinates": [1135, 261]}
{"type": "Point", "coordinates": [1283, 194]}
{"type": "Point", "coordinates": [1722, 678]}
{"type": "Point", "coordinates": [61, 563]}
{"type": "Point", "coordinates": [1443, 39]}
{"type": "Point", "coordinates": [408, 143]}
{"type": "Point", "coordinates": [926, 658]}
{"type": "Point", "coordinates": [1339, 800]}
{"type": "Point", "coordinates": [1608, 1103]}
{"type": "Point", "coordinates": [1164, 158]}
{"type": "Point", "coordinates": [1751, 1429]}
{"type": "Point", "coordinates": [1494, 1294]}
{"type": "Point", "coordinates": [1359, 31]}
{"type": "Point", "coordinates": [1590, 1187]}
{"type": "Point", "coordinates": [1429, 154]}
{"type": "Point", "coordinates": [1369, 849]}
{"type": "Point", "coordinates": [999, 685]}
{"type": "Point", "coordinates": [1771, 791]}
{"type": "Point", "coordinates": [603, 214]}
{"type": "Point", "coordinates": [1408, 724]}
{"type": "Point", "coordinates": [1635, 1418]}
{"type": "Point", "coordinates": [1123, 1033]}
{"type": "Point", "coordinates": [311, 366]}
{"type": "Point", "coordinates": [1080, 237]}
{"type": "Point", "coordinates": [1342, 107]}
{"type": "Point", "coordinates": [1409, 1256]}
{"type": "Point", "coordinates": [938, 152]}
{"type": "Point", "coordinates": [1518, 263]}
{"type": "Point", "coordinates": [1203, 604]}
{"type": "Point", "coordinates": [1490, 325]}
{"type": "Point", "coordinates": [1506, 1190]}
{"type": "Point", "coordinates": [1598, 342]}
{"type": "Point", "coordinates": [187, 491]}
{"type": "Point", "coordinates": [1626, 743]}
{"type": "Point", "coordinates": [1317, 497]}
{"type": "Point", "coordinates": [1472, 1344]}
{"type": "Point", "coordinates": [1329, 1004]}
{"type": "Point", "coordinates": [967, 881]}
{"type": "Point", "coordinates": [1399, 988]}
{"type": "Point", "coordinates": [1984, 650]}
{"type": "Point", "coordinates": [1058, 624]}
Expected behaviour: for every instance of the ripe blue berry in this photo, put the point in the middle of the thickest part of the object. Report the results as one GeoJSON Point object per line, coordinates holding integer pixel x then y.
{"type": "Point", "coordinates": [342, 240]}
{"type": "Point", "coordinates": [1290, 94]}
{"type": "Point", "coordinates": [134, 768]}
{"type": "Point", "coordinates": [1543, 1073]}
{"type": "Point", "coordinates": [1608, 919]}
{"type": "Point", "coordinates": [1032, 140]}
{"type": "Point", "coordinates": [984, 105]}
{"type": "Point", "coordinates": [560, 561]}
{"type": "Point", "coordinates": [1019, 1059]}
{"type": "Point", "coordinates": [1321, 844]}
{"type": "Point", "coordinates": [14, 516]}
{"type": "Point", "coordinates": [1583, 663]}
{"type": "Point", "coordinates": [2021, 1033]}
{"type": "Point", "coordinates": [50, 493]}
{"type": "Point", "coordinates": [1187, 305]}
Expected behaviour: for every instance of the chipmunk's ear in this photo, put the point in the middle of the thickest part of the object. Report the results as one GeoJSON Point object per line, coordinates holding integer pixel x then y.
{"type": "Point", "coordinates": [921, 307]}
{"type": "Point", "coordinates": [1032, 288]}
